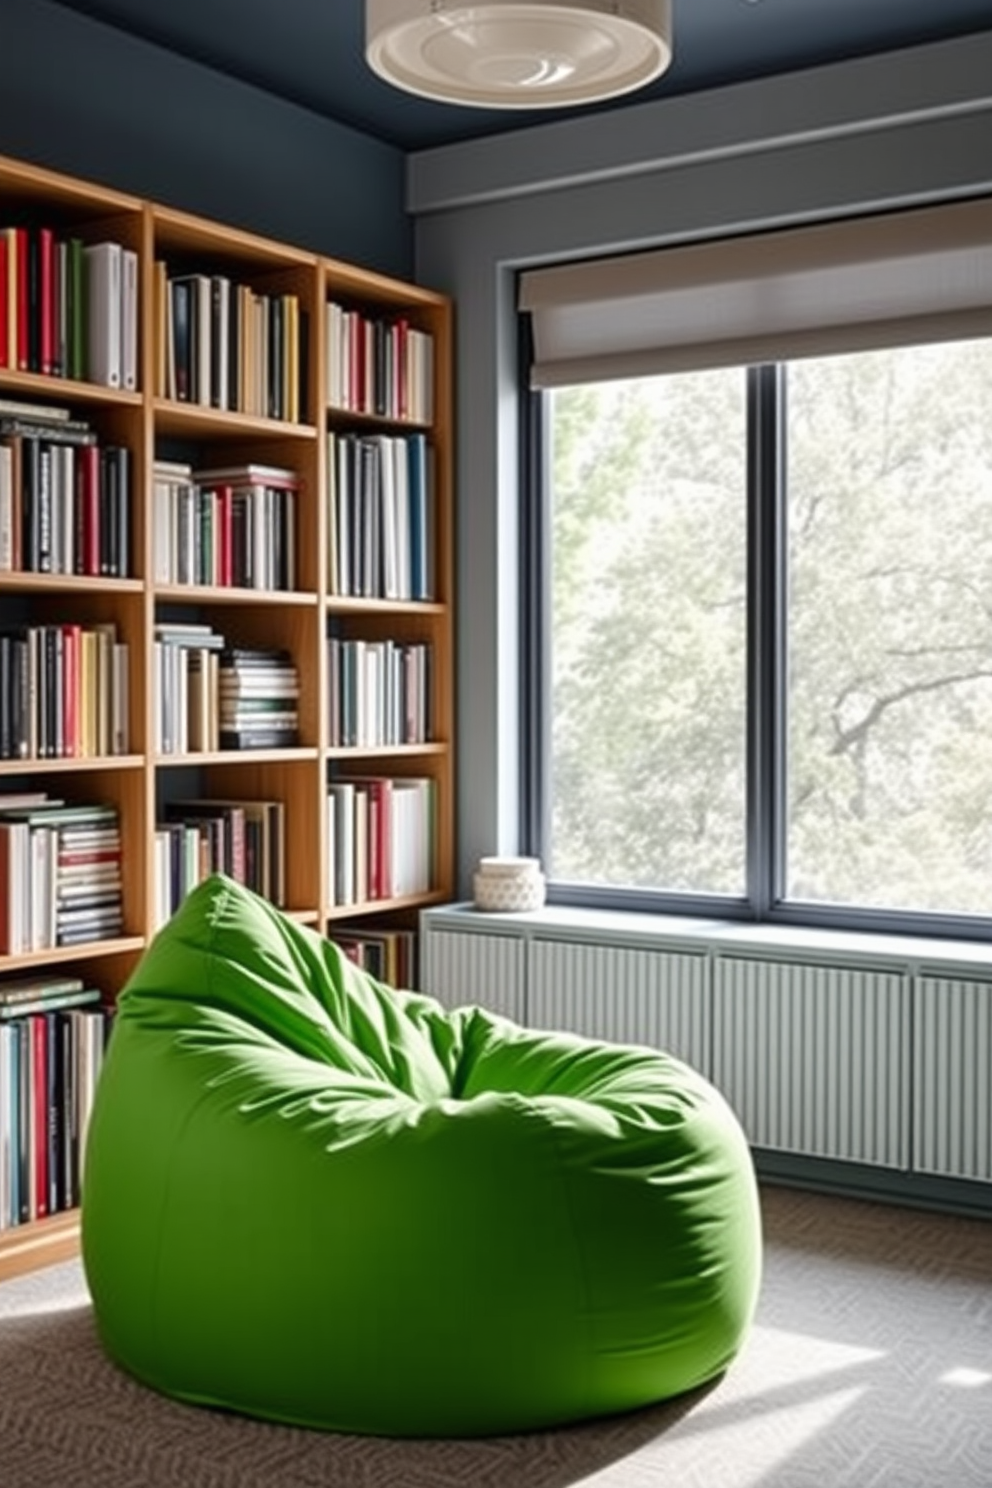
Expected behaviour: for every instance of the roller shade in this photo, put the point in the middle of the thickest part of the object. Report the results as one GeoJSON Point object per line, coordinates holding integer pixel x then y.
{"type": "Point", "coordinates": [898, 279]}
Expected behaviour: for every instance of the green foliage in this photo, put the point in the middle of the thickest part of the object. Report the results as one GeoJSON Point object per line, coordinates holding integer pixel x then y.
{"type": "Point", "coordinates": [890, 630]}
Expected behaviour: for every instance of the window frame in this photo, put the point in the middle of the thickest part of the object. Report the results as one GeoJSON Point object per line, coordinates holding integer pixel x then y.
{"type": "Point", "coordinates": [766, 748]}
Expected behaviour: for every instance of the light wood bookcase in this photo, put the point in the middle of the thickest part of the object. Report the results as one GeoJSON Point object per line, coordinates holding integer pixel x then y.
{"type": "Point", "coordinates": [151, 426]}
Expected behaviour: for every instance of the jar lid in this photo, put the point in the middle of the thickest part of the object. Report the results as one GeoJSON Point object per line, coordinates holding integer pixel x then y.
{"type": "Point", "coordinates": [499, 867]}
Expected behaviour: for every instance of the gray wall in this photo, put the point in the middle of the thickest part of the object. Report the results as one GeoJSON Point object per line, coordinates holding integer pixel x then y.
{"type": "Point", "coordinates": [81, 97]}
{"type": "Point", "coordinates": [911, 127]}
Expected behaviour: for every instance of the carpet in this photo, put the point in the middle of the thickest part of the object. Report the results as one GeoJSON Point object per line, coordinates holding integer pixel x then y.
{"type": "Point", "coordinates": [870, 1366]}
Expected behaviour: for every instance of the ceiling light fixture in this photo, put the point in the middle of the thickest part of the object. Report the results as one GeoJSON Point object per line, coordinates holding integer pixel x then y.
{"type": "Point", "coordinates": [518, 54]}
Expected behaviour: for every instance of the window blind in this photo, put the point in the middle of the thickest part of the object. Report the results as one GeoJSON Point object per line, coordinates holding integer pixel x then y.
{"type": "Point", "coordinates": [902, 278]}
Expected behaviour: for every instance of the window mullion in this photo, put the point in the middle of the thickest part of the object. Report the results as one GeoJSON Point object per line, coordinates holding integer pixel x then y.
{"type": "Point", "coordinates": [766, 638]}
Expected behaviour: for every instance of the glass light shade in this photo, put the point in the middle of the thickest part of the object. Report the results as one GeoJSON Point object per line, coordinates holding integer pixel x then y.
{"type": "Point", "coordinates": [511, 54]}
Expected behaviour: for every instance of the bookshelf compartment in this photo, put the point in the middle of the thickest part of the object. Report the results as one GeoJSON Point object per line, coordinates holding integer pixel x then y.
{"type": "Point", "coordinates": [233, 322]}
{"type": "Point", "coordinates": [71, 690]}
{"type": "Point", "coordinates": [230, 515]}
{"type": "Point", "coordinates": [263, 665]}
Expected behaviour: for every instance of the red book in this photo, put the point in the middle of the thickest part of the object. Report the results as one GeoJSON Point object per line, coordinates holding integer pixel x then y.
{"type": "Point", "coordinates": [23, 298]}
{"type": "Point", "coordinates": [4, 292]}
{"type": "Point", "coordinates": [46, 297]}
{"type": "Point", "coordinates": [225, 507]}
{"type": "Point", "coordinates": [39, 1115]}
{"type": "Point", "coordinates": [88, 493]}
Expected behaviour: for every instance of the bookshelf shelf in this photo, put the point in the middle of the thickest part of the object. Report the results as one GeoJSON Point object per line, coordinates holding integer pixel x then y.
{"type": "Point", "coordinates": [62, 390]}
{"type": "Point", "coordinates": [198, 422]}
{"type": "Point", "coordinates": [257, 338]}
{"type": "Point", "coordinates": [69, 766]}
{"type": "Point", "coordinates": [43, 1243]}
{"type": "Point", "coordinates": [236, 757]}
{"type": "Point", "coordinates": [369, 907]}
{"type": "Point", "coordinates": [356, 418]}
{"type": "Point", "coordinates": [386, 751]}
{"type": "Point", "coordinates": [56, 956]}
{"type": "Point", "coordinates": [338, 604]}
{"type": "Point", "coordinates": [45, 583]}
{"type": "Point", "coordinates": [233, 594]}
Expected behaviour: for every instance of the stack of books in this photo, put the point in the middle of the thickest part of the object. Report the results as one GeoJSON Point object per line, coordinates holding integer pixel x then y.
{"type": "Point", "coordinates": [259, 699]}
{"type": "Point", "coordinates": [53, 1034]}
{"type": "Point", "coordinates": [60, 873]}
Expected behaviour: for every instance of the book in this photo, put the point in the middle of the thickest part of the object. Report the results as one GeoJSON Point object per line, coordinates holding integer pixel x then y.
{"type": "Point", "coordinates": [104, 277]}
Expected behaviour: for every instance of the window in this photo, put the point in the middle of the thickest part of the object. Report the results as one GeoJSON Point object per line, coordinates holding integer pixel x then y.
{"type": "Point", "coordinates": [768, 629]}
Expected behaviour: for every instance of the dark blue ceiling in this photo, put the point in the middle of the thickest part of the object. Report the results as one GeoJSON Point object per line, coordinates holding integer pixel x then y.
{"type": "Point", "coordinates": [310, 51]}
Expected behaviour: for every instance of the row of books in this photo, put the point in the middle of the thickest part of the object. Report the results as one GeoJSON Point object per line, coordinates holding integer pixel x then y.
{"type": "Point", "coordinates": [380, 516]}
{"type": "Point", "coordinates": [210, 696]}
{"type": "Point", "coordinates": [379, 366]}
{"type": "Point", "coordinates": [379, 693]}
{"type": "Point", "coordinates": [63, 692]}
{"type": "Point", "coordinates": [60, 873]}
{"type": "Point", "coordinates": [68, 308]}
{"type": "Point", "coordinates": [388, 955]}
{"type": "Point", "coordinates": [65, 502]}
{"type": "Point", "coordinates": [53, 1037]}
{"type": "Point", "coordinates": [223, 346]}
{"type": "Point", "coordinates": [380, 838]}
{"type": "Point", "coordinates": [234, 526]}
{"type": "Point", "coordinates": [244, 839]}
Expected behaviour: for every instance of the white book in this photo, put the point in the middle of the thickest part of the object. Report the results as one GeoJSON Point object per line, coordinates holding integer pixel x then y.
{"type": "Point", "coordinates": [104, 272]}
{"type": "Point", "coordinates": [341, 847]}
{"type": "Point", "coordinates": [129, 319]}
{"type": "Point", "coordinates": [6, 509]}
{"type": "Point", "coordinates": [404, 577]}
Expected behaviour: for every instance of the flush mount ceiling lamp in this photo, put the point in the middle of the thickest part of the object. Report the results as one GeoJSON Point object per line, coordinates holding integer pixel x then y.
{"type": "Point", "coordinates": [518, 55]}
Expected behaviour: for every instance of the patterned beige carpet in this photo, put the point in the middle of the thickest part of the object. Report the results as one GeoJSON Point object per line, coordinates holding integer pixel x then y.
{"type": "Point", "coordinates": [870, 1366]}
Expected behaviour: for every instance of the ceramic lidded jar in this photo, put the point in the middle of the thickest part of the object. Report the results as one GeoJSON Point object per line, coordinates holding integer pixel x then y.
{"type": "Point", "coordinates": [509, 884]}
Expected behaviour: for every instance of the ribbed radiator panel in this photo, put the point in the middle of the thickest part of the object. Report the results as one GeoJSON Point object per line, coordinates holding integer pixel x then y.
{"type": "Point", "coordinates": [814, 1059]}
{"type": "Point", "coordinates": [623, 993]}
{"type": "Point", "coordinates": [487, 970]}
{"type": "Point", "coordinates": [952, 1069]}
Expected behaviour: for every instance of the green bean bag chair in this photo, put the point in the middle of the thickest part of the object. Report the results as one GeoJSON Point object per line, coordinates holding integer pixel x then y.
{"type": "Point", "coordinates": [311, 1198]}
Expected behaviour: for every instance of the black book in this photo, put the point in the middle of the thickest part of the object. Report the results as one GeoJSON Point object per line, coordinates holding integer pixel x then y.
{"type": "Point", "coordinates": [183, 300]}
{"type": "Point", "coordinates": [109, 512]}
{"type": "Point", "coordinates": [70, 432]}
{"type": "Point", "coordinates": [7, 697]}
{"type": "Point", "coordinates": [216, 357]}
{"type": "Point", "coordinates": [34, 300]}
{"type": "Point", "coordinates": [121, 459]}
{"type": "Point", "coordinates": [260, 738]}
{"type": "Point", "coordinates": [277, 405]}
{"type": "Point", "coordinates": [54, 1034]}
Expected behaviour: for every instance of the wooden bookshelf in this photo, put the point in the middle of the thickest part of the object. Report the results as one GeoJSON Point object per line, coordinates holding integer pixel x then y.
{"type": "Point", "coordinates": [157, 427]}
